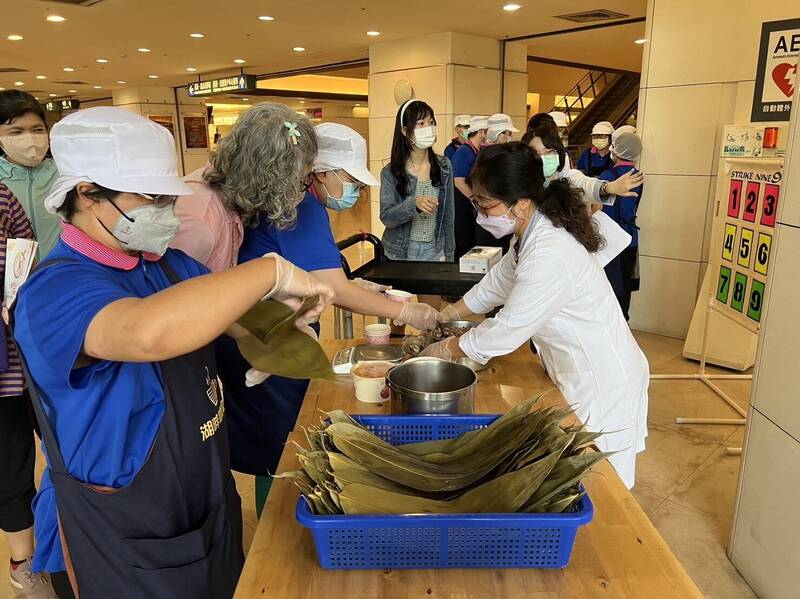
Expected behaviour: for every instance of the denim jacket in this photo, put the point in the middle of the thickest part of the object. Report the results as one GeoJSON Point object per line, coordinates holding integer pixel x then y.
{"type": "Point", "coordinates": [397, 212]}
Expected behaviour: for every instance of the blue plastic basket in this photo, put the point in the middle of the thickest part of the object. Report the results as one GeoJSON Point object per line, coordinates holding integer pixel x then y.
{"type": "Point", "coordinates": [345, 542]}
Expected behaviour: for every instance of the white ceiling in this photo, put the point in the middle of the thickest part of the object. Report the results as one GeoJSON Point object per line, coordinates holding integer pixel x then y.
{"type": "Point", "coordinates": [331, 31]}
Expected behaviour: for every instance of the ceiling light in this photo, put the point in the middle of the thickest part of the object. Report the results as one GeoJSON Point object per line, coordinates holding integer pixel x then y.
{"type": "Point", "coordinates": [101, 60]}
{"type": "Point", "coordinates": [302, 101]}
{"type": "Point", "coordinates": [373, 33]}
{"type": "Point", "coordinates": [358, 104]}
{"type": "Point", "coordinates": [191, 69]}
{"type": "Point", "coordinates": [121, 82]}
{"type": "Point", "coordinates": [41, 76]}
{"type": "Point", "coordinates": [641, 40]}
{"type": "Point", "coordinates": [511, 7]}
{"type": "Point", "coordinates": [245, 99]}
{"type": "Point", "coordinates": [14, 38]}
{"type": "Point", "coordinates": [196, 35]}
{"type": "Point", "coordinates": [299, 49]}
{"type": "Point", "coordinates": [35, 97]}
{"type": "Point", "coordinates": [98, 87]}
{"type": "Point", "coordinates": [68, 69]}
{"type": "Point", "coordinates": [19, 83]}
{"type": "Point", "coordinates": [56, 18]}
{"type": "Point", "coordinates": [239, 61]}
{"type": "Point", "coordinates": [73, 91]}
{"type": "Point", "coordinates": [145, 50]}
{"type": "Point", "coordinates": [153, 76]}
{"type": "Point", "coordinates": [53, 95]}
{"type": "Point", "coordinates": [266, 18]}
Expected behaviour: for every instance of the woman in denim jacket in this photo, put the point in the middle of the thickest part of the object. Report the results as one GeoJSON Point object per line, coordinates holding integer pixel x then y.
{"type": "Point", "coordinates": [417, 191]}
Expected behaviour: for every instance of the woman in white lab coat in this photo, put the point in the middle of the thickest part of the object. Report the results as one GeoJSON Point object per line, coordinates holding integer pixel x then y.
{"type": "Point", "coordinates": [553, 290]}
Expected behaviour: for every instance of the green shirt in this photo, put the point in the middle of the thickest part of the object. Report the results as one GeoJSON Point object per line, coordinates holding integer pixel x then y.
{"type": "Point", "coordinates": [31, 186]}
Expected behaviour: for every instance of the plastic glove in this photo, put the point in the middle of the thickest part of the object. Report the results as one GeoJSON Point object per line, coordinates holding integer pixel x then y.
{"type": "Point", "coordinates": [370, 286]}
{"type": "Point", "coordinates": [420, 316]}
{"type": "Point", "coordinates": [442, 350]}
{"type": "Point", "coordinates": [293, 284]}
{"type": "Point", "coordinates": [255, 377]}
{"type": "Point", "coordinates": [449, 314]}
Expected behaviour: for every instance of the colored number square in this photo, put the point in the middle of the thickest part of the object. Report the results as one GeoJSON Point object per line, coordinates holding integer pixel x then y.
{"type": "Point", "coordinates": [723, 284]}
{"type": "Point", "coordinates": [751, 202]}
{"type": "Point", "coordinates": [739, 289]}
{"type": "Point", "coordinates": [769, 210]}
{"type": "Point", "coordinates": [745, 248]}
{"type": "Point", "coordinates": [756, 302]}
{"type": "Point", "coordinates": [728, 242]}
{"type": "Point", "coordinates": [762, 253]}
{"type": "Point", "coordinates": [735, 198]}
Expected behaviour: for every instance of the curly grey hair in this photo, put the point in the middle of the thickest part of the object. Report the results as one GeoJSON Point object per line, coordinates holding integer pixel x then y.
{"type": "Point", "coordinates": [257, 169]}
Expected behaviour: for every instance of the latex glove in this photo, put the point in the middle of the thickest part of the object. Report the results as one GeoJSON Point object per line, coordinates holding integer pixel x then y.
{"type": "Point", "coordinates": [449, 314]}
{"type": "Point", "coordinates": [622, 186]}
{"type": "Point", "coordinates": [255, 377]}
{"type": "Point", "coordinates": [420, 316]}
{"type": "Point", "coordinates": [370, 286]}
{"type": "Point", "coordinates": [442, 350]}
{"type": "Point", "coordinates": [293, 284]}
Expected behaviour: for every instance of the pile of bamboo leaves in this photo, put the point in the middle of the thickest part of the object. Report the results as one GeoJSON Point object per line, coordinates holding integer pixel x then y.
{"type": "Point", "coordinates": [525, 461]}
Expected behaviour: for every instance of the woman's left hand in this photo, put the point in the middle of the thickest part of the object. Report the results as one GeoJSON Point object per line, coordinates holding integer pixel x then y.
{"type": "Point", "coordinates": [441, 350]}
{"type": "Point", "coordinates": [622, 186]}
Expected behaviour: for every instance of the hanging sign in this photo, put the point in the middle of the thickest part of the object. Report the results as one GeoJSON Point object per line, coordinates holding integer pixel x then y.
{"type": "Point", "coordinates": [776, 71]}
{"type": "Point", "coordinates": [62, 105]}
{"type": "Point", "coordinates": [226, 85]}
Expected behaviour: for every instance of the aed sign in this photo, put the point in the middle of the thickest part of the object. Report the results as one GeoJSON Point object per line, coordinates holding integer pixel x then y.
{"type": "Point", "coordinates": [776, 70]}
{"type": "Point", "coordinates": [226, 85]}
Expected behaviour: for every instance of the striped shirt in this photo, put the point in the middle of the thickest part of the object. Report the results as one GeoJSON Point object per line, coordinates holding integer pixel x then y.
{"type": "Point", "coordinates": [13, 225]}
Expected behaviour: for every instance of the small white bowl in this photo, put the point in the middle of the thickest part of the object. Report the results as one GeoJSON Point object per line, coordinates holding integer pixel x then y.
{"type": "Point", "coordinates": [399, 296]}
{"type": "Point", "coordinates": [369, 387]}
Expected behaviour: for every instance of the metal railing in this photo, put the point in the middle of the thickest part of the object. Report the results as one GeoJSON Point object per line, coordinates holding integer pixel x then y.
{"type": "Point", "coordinates": [590, 85]}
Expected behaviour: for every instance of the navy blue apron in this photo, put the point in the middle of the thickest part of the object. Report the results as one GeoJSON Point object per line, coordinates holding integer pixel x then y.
{"type": "Point", "coordinates": [175, 531]}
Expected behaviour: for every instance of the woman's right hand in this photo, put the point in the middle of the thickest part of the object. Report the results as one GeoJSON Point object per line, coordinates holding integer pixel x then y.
{"type": "Point", "coordinates": [427, 204]}
{"type": "Point", "coordinates": [293, 285]}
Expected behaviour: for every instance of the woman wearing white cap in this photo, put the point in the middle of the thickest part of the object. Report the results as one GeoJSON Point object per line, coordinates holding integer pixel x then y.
{"type": "Point", "coordinates": [115, 330]}
{"type": "Point", "coordinates": [597, 159]}
{"type": "Point", "coordinates": [500, 129]}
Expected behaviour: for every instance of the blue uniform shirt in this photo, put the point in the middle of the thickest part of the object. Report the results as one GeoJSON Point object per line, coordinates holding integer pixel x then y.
{"type": "Point", "coordinates": [308, 245]}
{"type": "Point", "coordinates": [452, 148]}
{"type": "Point", "coordinates": [463, 160]}
{"type": "Point", "coordinates": [105, 415]}
{"type": "Point", "coordinates": [591, 161]}
{"type": "Point", "coordinates": [624, 209]}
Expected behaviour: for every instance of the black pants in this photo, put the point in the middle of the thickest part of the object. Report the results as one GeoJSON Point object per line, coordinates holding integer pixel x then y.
{"type": "Point", "coordinates": [17, 459]}
{"type": "Point", "coordinates": [629, 259]}
{"type": "Point", "coordinates": [61, 585]}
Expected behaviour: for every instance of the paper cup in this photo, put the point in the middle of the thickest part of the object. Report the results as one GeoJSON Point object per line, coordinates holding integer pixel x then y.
{"type": "Point", "coordinates": [369, 379]}
{"type": "Point", "coordinates": [397, 295]}
{"type": "Point", "coordinates": [377, 334]}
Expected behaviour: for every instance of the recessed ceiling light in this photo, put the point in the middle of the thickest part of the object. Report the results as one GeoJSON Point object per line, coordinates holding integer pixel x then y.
{"type": "Point", "coordinates": [641, 40]}
{"type": "Point", "coordinates": [373, 33]}
{"type": "Point", "coordinates": [19, 83]}
{"type": "Point", "coordinates": [73, 91]}
{"type": "Point", "coordinates": [2, 88]}
{"type": "Point", "coordinates": [196, 35]}
{"type": "Point", "coordinates": [56, 18]}
{"type": "Point", "coordinates": [153, 76]}
{"type": "Point", "coordinates": [101, 60]}
{"type": "Point", "coordinates": [266, 18]}
{"type": "Point", "coordinates": [245, 99]}
{"type": "Point", "coordinates": [191, 69]}
{"type": "Point", "coordinates": [14, 38]}
{"type": "Point", "coordinates": [53, 95]}
{"type": "Point", "coordinates": [511, 7]}
{"type": "Point", "coordinates": [145, 50]}
{"type": "Point", "coordinates": [358, 104]}
{"type": "Point", "coordinates": [239, 61]}
{"type": "Point", "coordinates": [302, 101]}
{"type": "Point", "coordinates": [299, 49]}
{"type": "Point", "coordinates": [121, 82]}
{"type": "Point", "coordinates": [68, 69]}
{"type": "Point", "coordinates": [41, 76]}
{"type": "Point", "coordinates": [98, 86]}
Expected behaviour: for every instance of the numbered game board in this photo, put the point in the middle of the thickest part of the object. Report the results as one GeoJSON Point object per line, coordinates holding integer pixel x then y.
{"type": "Point", "coordinates": [743, 259]}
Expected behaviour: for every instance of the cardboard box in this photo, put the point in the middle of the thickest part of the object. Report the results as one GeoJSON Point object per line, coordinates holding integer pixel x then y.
{"type": "Point", "coordinates": [480, 259]}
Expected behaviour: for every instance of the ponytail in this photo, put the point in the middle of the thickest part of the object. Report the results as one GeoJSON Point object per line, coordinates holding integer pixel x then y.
{"type": "Point", "coordinates": [564, 206]}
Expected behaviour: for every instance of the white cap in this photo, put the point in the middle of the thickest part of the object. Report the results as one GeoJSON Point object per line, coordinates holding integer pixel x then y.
{"type": "Point", "coordinates": [477, 123]}
{"type": "Point", "coordinates": [560, 118]}
{"type": "Point", "coordinates": [115, 148]}
{"type": "Point", "coordinates": [341, 148]}
{"type": "Point", "coordinates": [622, 129]}
{"type": "Point", "coordinates": [462, 120]}
{"type": "Point", "coordinates": [603, 128]}
{"type": "Point", "coordinates": [501, 122]}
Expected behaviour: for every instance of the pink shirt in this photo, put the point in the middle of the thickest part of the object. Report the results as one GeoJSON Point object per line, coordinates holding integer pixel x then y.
{"type": "Point", "coordinates": [209, 233]}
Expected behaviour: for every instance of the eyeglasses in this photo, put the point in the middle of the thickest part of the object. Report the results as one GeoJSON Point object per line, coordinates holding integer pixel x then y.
{"type": "Point", "coordinates": [160, 201]}
{"type": "Point", "coordinates": [357, 184]}
{"type": "Point", "coordinates": [483, 209]}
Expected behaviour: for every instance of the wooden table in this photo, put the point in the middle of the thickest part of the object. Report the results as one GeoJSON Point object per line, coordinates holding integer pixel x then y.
{"type": "Point", "coordinates": [619, 554]}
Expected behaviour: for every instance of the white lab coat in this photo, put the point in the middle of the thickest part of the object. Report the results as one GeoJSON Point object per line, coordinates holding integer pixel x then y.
{"type": "Point", "coordinates": [557, 294]}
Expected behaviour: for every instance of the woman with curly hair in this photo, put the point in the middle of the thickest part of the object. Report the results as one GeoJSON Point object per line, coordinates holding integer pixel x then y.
{"type": "Point", "coordinates": [552, 289]}
{"type": "Point", "coordinates": [259, 170]}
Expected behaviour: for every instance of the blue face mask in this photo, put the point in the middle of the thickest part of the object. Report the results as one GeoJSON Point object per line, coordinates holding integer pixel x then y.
{"type": "Point", "coordinates": [350, 193]}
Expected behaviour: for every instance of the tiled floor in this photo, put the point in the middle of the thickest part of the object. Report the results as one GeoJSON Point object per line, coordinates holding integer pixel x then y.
{"type": "Point", "coordinates": [685, 481]}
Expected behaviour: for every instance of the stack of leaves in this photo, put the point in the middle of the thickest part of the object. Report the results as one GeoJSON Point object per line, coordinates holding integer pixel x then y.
{"type": "Point", "coordinates": [525, 461]}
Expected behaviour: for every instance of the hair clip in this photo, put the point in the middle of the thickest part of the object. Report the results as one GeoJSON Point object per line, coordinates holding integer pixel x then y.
{"type": "Point", "coordinates": [293, 132]}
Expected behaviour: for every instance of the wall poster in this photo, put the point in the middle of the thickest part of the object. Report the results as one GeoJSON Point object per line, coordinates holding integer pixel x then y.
{"type": "Point", "coordinates": [165, 120]}
{"type": "Point", "coordinates": [776, 71]}
{"type": "Point", "coordinates": [196, 132]}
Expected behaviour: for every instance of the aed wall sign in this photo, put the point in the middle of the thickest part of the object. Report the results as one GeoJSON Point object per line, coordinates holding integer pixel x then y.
{"type": "Point", "coordinates": [226, 85]}
{"type": "Point", "coordinates": [776, 71]}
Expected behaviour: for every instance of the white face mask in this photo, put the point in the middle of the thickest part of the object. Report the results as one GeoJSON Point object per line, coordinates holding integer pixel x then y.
{"type": "Point", "coordinates": [28, 149]}
{"type": "Point", "coordinates": [600, 144]}
{"type": "Point", "coordinates": [425, 137]}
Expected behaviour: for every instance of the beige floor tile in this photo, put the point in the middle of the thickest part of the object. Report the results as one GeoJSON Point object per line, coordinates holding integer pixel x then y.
{"type": "Point", "coordinates": [712, 487]}
{"type": "Point", "coordinates": [736, 439]}
{"type": "Point", "coordinates": [699, 542]}
{"type": "Point", "coordinates": [658, 349]}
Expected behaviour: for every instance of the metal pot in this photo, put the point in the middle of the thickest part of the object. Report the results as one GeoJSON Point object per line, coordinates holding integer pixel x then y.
{"type": "Point", "coordinates": [461, 324]}
{"type": "Point", "coordinates": [431, 386]}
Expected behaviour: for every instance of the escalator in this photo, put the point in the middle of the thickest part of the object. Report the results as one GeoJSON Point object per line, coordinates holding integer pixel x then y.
{"type": "Point", "coordinates": [617, 101]}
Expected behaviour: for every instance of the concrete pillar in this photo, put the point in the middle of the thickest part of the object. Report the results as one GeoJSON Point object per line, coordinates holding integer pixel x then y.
{"type": "Point", "coordinates": [454, 73]}
{"type": "Point", "coordinates": [184, 114]}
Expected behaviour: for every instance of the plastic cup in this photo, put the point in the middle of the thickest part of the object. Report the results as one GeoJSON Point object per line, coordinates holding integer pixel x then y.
{"type": "Point", "coordinates": [369, 379]}
{"type": "Point", "coordinates": [377, 334]}
{"type": "Point", "coordinates": [397, 295]}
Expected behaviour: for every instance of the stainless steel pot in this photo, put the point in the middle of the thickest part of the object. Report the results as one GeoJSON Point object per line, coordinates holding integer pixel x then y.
{"type": "Point", "coordinates": [462, 324]}
{"type": "Point", "coordinates": [431, 386]}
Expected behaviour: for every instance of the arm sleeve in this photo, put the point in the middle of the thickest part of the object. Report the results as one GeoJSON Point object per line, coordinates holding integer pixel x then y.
{"type": "Point", "coordinates": [541, 290]}
{"type": "Point", "coordinates": [20, 225]}
{"type": "Point", "coordinates": [492, 291]}
{"type": "Point", "coordinates": [583, 161]}
{"type": "Point", "coordinates": [589, 185]}
{"type": "Point", "coordinates": [463, 160]}
{"type": "Point", "coordinates": [395, 210]}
